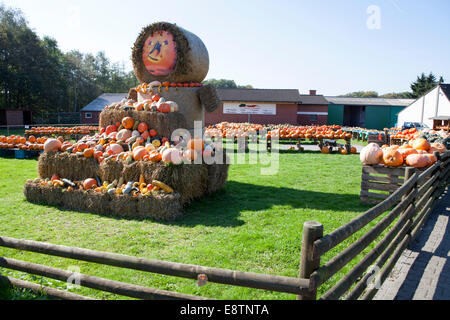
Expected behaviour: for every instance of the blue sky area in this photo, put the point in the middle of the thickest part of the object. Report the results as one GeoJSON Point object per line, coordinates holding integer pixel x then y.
{"type": "Point", "coordinates": [324, 44]}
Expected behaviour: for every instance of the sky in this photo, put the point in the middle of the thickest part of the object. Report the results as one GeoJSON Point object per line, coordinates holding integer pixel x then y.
{"type": "Point", "coordinates": [334, 47]}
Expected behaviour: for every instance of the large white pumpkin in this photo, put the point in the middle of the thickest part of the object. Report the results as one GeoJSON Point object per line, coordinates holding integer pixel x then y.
{"type": "Point", "coordinates": [371, 154]}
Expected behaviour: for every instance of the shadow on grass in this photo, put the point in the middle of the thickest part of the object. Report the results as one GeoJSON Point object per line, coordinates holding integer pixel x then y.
{"type": "Point", "coordinates": [223, 208]}
{"type": "Point", "coordinates": [287, 151]}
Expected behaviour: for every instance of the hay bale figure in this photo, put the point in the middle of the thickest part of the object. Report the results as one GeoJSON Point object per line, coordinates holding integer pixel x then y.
{"type": "Point", "coordinates": [165, 52]}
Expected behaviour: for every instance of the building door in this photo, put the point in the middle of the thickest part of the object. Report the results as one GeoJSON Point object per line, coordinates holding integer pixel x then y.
{"type": "Point", "coordinates": [354, 116]}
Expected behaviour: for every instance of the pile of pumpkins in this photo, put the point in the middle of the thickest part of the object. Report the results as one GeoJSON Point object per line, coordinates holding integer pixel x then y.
{"type": "Point", "coordinates": [155, 104]}
{"type": "Point", "coordinates": [22, 143]}
{"type": "Point", "coordinates": [418, 153]}
{"type": "Point", "coordinates": [117, 187]}
{"type": "Point", "coordinates": [147, 88]}
{"type": "Point", "coordinates": [132, 141]}
{"type": "Point", "coordinates": [408, 134]}
{"type": "Point", "coordinates": [341, 150]}
{"type": "Point", "coordinates": [230, 130]}
{"type": "Point", "coordinates": [310, 132]}
{"type": "Point", "coordinates": [61, 130]}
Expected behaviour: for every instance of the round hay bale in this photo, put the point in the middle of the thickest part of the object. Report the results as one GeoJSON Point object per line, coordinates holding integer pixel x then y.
{"type": "Point", "coordinates": [166, 52]}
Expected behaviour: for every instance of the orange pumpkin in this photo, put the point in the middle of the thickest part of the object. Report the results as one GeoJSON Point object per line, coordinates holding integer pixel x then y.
{"type": "Point", "coordinates": [142, 127]}
{"type": "Point", "coordinates": [31, 139]}
{"type": "Point", "coordinates": [392, 157]}
{"type": "Point", "coordinates": [155, 156]}
{"type": "Point", "coordinates": [432, 158]}
{"type": "Point", "coordinates": [139, 153]}
{"type": "Point", "coordinates": [418, 160]}
{"type": "Point", "coordinates": [325, 150]}
{"type": "Point", "coordinates": [407, 151]}
{"type": "Point", "coordinates": [88, 153]}
{"type": "Point", "coordinates": [128, 122]}
{"type": "Point", "coordinates": [89, 184]}
{"type": "Point", "coordinates": [421, 144]}
{"type": "Point", "coordinates": [196, 144]}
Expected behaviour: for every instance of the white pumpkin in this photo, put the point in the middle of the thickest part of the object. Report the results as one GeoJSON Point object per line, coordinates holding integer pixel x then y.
{"type": "Point", "coordinates": [123, 134]}
{"type": "Point", "coordinates": [172, 155]}
{"type": "Point", "coordinates": [371, 154]}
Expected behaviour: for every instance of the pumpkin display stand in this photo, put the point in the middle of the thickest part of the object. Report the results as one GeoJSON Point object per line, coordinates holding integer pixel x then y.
{"type": "Point", "coordinates": [170, 63]}
{"type": "Point", "coordinates": [192, 181]}
{"type": "Point", "coordinates": [159, 207]}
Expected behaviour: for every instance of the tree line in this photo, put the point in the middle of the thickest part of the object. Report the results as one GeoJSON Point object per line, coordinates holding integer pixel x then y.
{"type": "Point", "coordinates": [36, 75]}
{"type": "Point", "coordinates": [419, 87]}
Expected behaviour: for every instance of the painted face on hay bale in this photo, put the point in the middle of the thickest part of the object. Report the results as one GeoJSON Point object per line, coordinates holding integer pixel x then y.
{"type": "Point", "coordinates": [160, 53]}
{"type": "Point", "coordinates": [165, 52]}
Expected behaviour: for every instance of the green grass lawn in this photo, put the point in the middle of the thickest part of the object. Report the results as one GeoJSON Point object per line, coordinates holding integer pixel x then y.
{"type": "Point", "coordinates": [253, 224]}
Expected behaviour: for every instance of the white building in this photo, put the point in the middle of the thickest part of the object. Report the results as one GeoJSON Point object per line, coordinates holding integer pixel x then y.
{"type": "Point", "coordinates": [436, 103]}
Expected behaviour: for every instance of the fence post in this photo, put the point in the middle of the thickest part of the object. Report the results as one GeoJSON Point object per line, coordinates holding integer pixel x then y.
{"type": "Point", "coordinates": [312, 230]}
{"type": "Point", "coordinates": [409, 171]}
{"type": "Point", "coordinates": [438, 192]}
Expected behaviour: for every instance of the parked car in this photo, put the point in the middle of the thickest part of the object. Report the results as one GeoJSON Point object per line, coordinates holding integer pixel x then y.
{"type": "Point", "coordinates": [417, 125]}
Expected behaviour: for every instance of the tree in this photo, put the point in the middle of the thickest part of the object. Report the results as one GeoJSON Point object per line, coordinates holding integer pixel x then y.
{"type": "Point", "coordinates": [36, 75]}
{"type": "Point", "coordinates": [398, 95]}
{"type": "Point", "coordinates": [421, 86]}
{"type": "Point", "coordinates": [424, 83]}
{"type": "Point", "coordinates": [225, 84]}
{"type": "Point", "coordinates": [362, 94]}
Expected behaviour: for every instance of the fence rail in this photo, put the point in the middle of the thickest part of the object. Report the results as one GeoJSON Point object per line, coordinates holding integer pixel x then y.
{"type": "Point", "coordinates": [291, 285]}
{"type": "Point", "coordinates": [405, 212]}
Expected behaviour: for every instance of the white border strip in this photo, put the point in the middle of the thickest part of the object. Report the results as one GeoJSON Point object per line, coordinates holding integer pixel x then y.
{"type": "Point", "coordinates": [313, 113]}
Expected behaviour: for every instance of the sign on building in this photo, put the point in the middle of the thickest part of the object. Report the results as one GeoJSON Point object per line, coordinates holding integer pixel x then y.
{"type": "Point", "coordinates": [250, 108]}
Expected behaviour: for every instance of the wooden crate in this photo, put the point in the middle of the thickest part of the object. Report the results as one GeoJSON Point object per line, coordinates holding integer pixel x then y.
{"type": "Point", "coordinates": [375, 138]}
{"type": "Point", "coordinates": [398, 141]}
{"type": "Point", "coordinates": [378, 182]}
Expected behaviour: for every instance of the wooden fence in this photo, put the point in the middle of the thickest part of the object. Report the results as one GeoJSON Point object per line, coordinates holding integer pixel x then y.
{"type": "Point", "coordinates": [407, 210]}
{"type": "Point", "coordinates": [409, 207]}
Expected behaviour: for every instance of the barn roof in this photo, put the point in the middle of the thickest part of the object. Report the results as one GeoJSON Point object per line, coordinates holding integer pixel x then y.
{"type": "Point", "coordinates": [103, 100]}
{"type": "Point", "coordinates": [313, 99]}
{"type": "Point", "coordinates": [446, 89]}
{"type": "Point", "coordinates": [350, 101]}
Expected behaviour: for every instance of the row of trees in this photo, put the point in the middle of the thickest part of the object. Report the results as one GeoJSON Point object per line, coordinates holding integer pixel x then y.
{"type": "Point", "coordinates": [36, 75]}
{"type": "Point", "coordinates": [419, 87]}
{"type": "Point", "coordinates": [226, 84]}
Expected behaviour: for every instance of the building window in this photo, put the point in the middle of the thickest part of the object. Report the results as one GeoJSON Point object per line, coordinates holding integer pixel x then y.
{"type": "Point", "coordinates": [88, 115]}
{"type": "Point", "coordinates": [313, 117]}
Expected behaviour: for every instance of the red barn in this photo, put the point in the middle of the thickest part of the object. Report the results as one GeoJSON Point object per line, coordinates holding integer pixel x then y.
{"type": "Point", "coordinates": [270, 106]}
{"type": "Point", "coordinates": [262, 106]}
{"type": "Point", "coordinates": [312, 109]}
